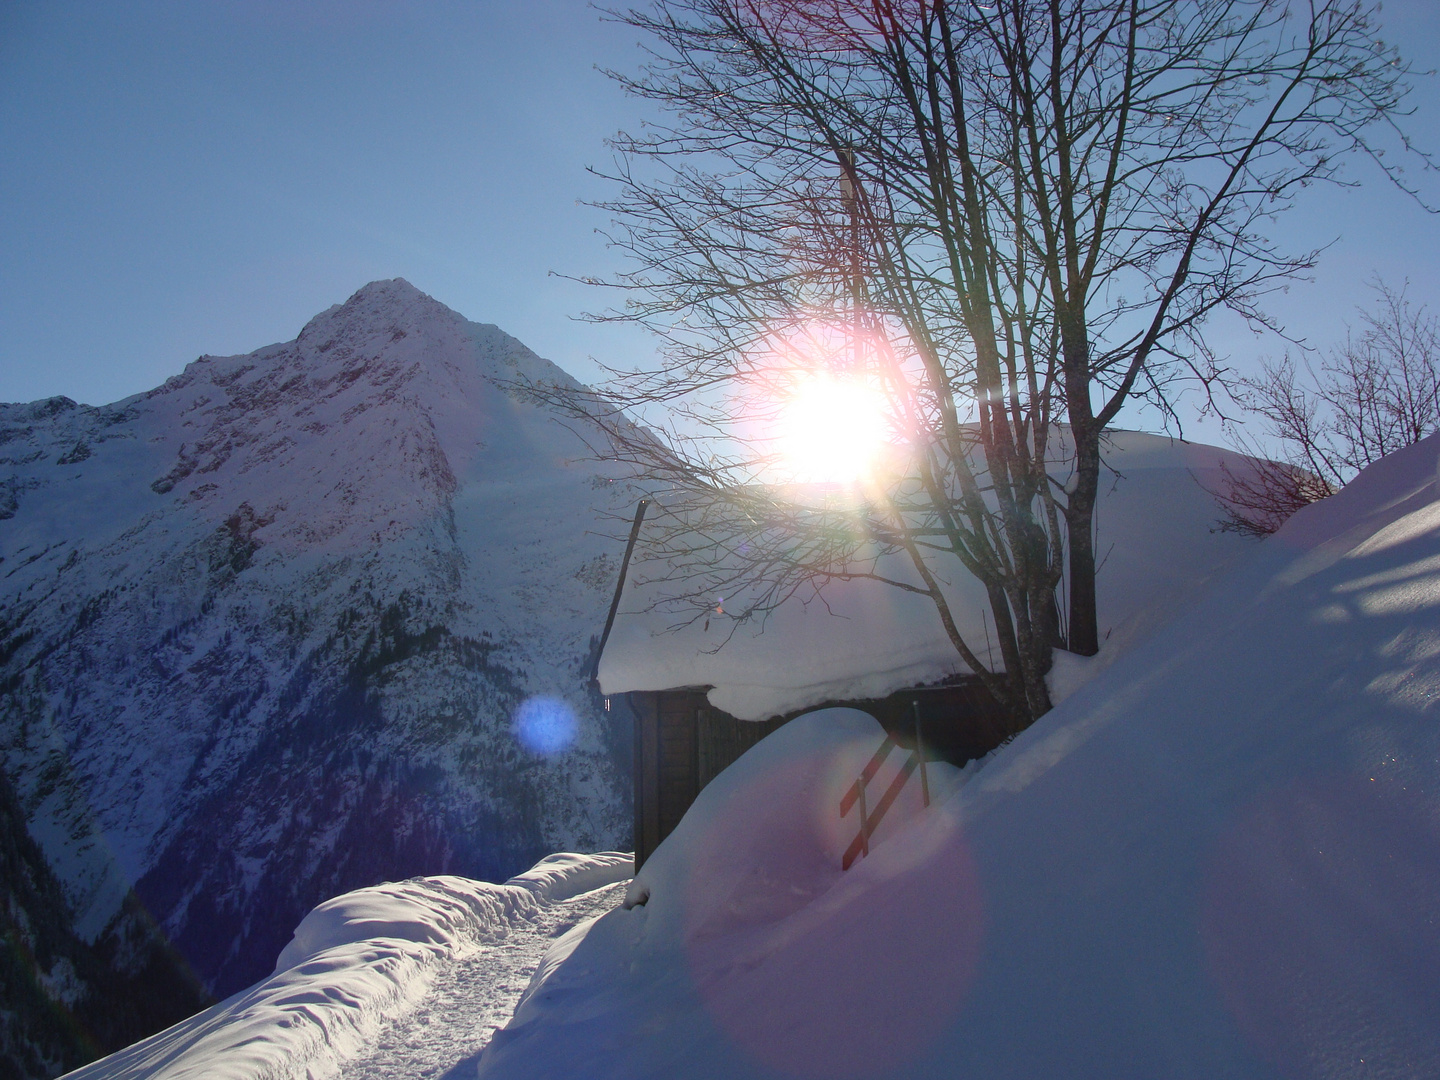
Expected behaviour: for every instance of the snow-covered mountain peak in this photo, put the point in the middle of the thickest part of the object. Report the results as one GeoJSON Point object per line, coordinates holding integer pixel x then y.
{"type": "Point", "coordinates": [377, 307]}
{"type": "Point", "coordinates": [405, 394]}
{"type": "Point", "coordinates": [391, 291]}
{"type": "Point", "coordinates": [266, 624]}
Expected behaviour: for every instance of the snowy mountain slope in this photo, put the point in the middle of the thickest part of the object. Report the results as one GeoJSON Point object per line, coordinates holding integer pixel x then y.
{"type": "Point", "coordinates": [264, 629]}
{"type": "Point", "coordinates": [1218, 859]}
{"type": "Point", "coordinates": [65, 999]}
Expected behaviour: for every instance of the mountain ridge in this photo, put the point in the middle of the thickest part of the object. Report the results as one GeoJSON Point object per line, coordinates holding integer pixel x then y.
{"type": "Point", "coordinates": [263, 628]}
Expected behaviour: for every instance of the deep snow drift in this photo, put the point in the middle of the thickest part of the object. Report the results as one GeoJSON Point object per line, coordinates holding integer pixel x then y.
{"type": "Point", "coordinates": [355, 962]}
{"type": "Point", "coordinates": [1220, 858]}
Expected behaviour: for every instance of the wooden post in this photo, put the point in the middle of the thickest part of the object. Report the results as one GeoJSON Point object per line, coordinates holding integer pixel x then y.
{"type": "Point", "coordinates": [920, 753]}
{"type": "Point", "coordinates": [619, 587]}
{"type": "Point", "coordinates": [864, 820]}
{"type": "Point", "coordinates": [647, 722]}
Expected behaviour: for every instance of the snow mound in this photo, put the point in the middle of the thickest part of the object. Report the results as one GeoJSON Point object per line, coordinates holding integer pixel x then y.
{"type": "Point", "coordinates": [441, 911]}
{"type": "Point", "coordinates": [353, 961]}
{"type": "Point", "coordinates": [766, 835]}
{"type": "Point", "coordinates": [564, 874]}
{"type": "Point", "coordinates": [1220, 856]}
{"type": "Point", "coordinates": [743, 920]}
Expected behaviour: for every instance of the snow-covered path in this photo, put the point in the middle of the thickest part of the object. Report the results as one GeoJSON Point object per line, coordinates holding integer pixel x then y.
{"type": "Point", "coordinates": [442, 1035]}
{"type": "Point", "coordinates": [401, 979]}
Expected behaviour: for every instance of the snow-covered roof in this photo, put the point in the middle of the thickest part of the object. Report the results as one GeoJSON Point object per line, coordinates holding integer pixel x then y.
{"type": "Point", "coordinates": [1156, 541]}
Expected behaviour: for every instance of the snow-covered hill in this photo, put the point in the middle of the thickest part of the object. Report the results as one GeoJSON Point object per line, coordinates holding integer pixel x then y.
{"type": "Point", "coordinates": [1220, 858]}
{"type": "Point", "coordinates": [265, 629]}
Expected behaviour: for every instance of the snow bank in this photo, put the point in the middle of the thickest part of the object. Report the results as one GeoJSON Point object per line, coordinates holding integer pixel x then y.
{"type": "Point", "coordinates": [563, 875]}
{"type": "Point", "coordinates": [1155, 542]}
{"type": "Point", "coordinates": [1220, 857]}
{"type": "Point", "coordinates": [441, 911]}
{"type": "Point", "coordinates": [766, 834]}
{"type": "Point", "coordinates": [353, 961]}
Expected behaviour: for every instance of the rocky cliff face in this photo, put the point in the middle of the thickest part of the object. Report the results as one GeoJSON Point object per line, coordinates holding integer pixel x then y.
{"type": "Point", "coordinates": [265, 630]}
{"type": "Point", "coordinates": [65, 1000]}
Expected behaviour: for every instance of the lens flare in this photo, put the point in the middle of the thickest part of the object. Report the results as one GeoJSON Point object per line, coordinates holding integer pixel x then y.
{"type": "Point", "coordinates": [545, 725]}
{"type": "Point", "coordinates": [831, 430]}
{"type": "Point", "coordinates": [835, 995]}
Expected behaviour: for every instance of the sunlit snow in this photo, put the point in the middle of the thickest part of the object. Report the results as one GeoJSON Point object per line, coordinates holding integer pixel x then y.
{"type": "Point", "coordinates": [1218, 857]}
{"type": "Point", "coordinates": [1156, 543]}
{"type": "Point", "coordinates": [405, 979]}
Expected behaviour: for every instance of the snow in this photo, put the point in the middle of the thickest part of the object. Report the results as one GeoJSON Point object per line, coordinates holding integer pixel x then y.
{"type": "Point", "coordinates": [770, 821]}
{"type": "Point", "coordinates": [1155, 541]}
{"type": "Point", "coordinates": [368, 970]}
{"type": "Point", "coordinates": [1218, 857]}
{"type": "Point", "coordinates": [366, 523]}
{"type": "Point", "coordinates": [564, 875]}
{"type": "Point", "coordinates": [1069, 671]}
{"type": "Point", "coordinates": [470, 999]}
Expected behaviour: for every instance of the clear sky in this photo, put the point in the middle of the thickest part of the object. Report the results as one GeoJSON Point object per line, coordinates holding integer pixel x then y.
{"type": "Point", "coordinates": [181, 178]}
{"type": "Point", "coordinates": [203, 176]}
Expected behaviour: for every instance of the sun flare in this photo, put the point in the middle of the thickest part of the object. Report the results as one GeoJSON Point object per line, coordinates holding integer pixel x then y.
{"type": "Point", "coordinates": [831, 430]}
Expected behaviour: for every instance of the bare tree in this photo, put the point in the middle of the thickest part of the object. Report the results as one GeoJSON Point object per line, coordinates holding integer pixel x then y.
{"type": "Point", "coordinates": [1377, 391]}
{"type": "Point", "coordinates": [1020, 212]}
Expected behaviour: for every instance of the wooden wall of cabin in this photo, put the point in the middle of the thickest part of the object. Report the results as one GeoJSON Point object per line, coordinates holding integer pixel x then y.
{"type": "Point", "coordinates": [682, 742]}
{"type": "Point", "coordinates": [646, 776]}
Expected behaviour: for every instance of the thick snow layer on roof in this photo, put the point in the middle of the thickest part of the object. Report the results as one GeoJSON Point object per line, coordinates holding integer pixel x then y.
{"type": "Point", "coordinates": [1219, 858]}
{"type": "Point", "coordinates": [1156, 541]}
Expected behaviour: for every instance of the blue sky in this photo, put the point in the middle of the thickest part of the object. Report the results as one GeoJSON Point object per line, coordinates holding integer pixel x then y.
{"type": "Point", "coordinates": [203, 177]}
{"type": "Point", "coordinates": [187, 178]}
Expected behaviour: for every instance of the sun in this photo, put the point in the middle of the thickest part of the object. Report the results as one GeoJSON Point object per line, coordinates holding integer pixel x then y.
{"type": "Point", "coordinates": [831, 430]}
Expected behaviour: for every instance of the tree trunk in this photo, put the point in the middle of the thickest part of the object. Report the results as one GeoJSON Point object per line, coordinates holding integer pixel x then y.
{"type": "Point", "coordinates": [1084, 635]}
{"type": "Point", "coordinates": [1084, 631]}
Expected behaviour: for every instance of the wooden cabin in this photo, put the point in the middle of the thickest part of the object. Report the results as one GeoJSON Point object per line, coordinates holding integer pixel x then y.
{"type": "Point", "coordinates": [702, 691]}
